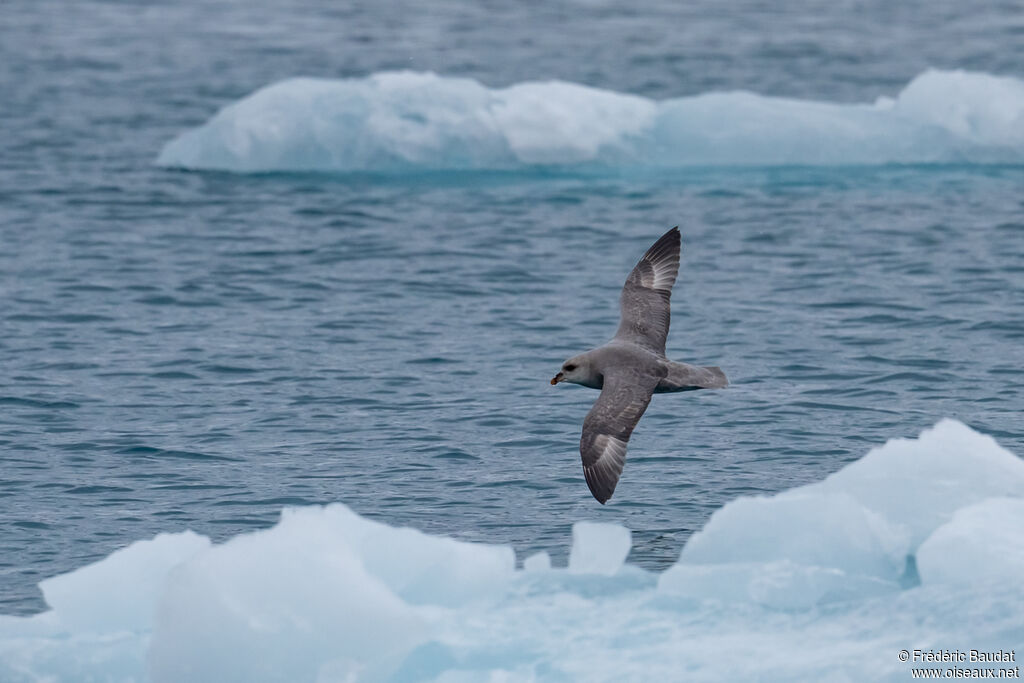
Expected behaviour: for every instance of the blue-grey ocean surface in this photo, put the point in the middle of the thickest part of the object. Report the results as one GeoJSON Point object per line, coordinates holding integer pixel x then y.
{"type": "Point", "coordinates": [197, 349]}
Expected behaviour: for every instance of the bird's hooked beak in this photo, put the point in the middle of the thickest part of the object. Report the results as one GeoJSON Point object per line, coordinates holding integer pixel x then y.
{"type": "Point", "coordinates": [557, 378]}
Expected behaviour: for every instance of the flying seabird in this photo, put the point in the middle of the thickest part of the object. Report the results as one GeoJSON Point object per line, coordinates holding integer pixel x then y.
{"type": "Point", "coordinates": [632, 366]}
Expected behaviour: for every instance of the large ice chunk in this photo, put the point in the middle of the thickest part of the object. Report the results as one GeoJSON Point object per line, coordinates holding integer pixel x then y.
{"type": "Point", "coordinates": [327, 595]}
{"type": "Point", "coordinates": [982, 543]}
{"type": "Point", "coordinates": [538, 562]}
{"type": "Point", "coordinates": [598, 548]}
{"type": "Point", "coordinates": [406, 120]}
{"type": "Point", "coordinates": [418, 567]}
{"type": "Point", "coordinates": [399, 122]}
{"type": "Point", "coordinates": [812, 529]}
{"type": "Point", "coordinates": [919, 483]}
{"type": "Point", "coordinates": [790, 551]}
{"type": "Point", "coordinates": [324, 593]}
{"type": "Point", "coordinates": [83, 599]}
{"type": "Point", "coordinates": [297, 600]}
{"type": "Point", "coordinates": [978, 108]}
{"type": "Point", "coordinates": [855, 533]}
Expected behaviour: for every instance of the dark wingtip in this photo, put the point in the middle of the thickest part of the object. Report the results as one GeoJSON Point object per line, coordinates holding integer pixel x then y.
{"type": "Point", "coordinates": [597, 488]}
{"type": "Point", "coordinates": [668, 245]}
{"type": "Point", "coordinates": [673, 236]}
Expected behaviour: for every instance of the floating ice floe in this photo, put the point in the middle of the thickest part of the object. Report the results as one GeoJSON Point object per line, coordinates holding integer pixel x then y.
{"type": "Point", "coordinates": [401, 122]}
{"type": "Point", "coordinates": [919, 545]}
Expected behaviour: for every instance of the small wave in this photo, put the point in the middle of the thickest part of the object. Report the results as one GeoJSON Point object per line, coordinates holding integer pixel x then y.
{"type": "Point", "coordinates": [402, 122]}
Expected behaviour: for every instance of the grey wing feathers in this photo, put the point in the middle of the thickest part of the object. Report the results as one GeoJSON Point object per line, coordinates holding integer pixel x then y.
{"type": "Point", "coordinates": [607, 427]}
{"type": "Point", "coordinates": [685, 377]}
{"type": "Point", "coordinates": [645, 296]}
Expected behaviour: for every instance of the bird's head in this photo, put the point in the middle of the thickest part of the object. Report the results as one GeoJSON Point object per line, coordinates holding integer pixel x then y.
{"type": "Point", "coordinates": [575, 370]}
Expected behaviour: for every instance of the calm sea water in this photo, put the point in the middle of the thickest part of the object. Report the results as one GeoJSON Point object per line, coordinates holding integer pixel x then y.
{"type": "Point", "coordinates": [197, 350]}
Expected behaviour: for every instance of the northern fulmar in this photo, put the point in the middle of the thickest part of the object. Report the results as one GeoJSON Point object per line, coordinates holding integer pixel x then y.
{"type": "Point", "coordinates": [632, 366]}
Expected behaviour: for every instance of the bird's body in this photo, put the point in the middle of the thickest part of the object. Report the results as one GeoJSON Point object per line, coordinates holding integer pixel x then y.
{"type": "Point", "coordinates": [674, 376]}
{"type": "Point", "coordinates": [632, 367]}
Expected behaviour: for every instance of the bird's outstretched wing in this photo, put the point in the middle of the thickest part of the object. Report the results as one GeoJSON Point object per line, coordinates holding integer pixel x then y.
{"type": "Point", "coordinates": [645, 296]}
{"type": "Point", "coordinates": [606, 429]}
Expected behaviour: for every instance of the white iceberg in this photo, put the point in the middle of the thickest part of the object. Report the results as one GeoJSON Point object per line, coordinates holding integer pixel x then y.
{"type": "Point", "coordinates": [401, 122]}
{"type": "Point", "coordinates": [918, 545]}
{"type": "Point", "coordinates": [598, 548]}
{"type": "Point", "coordinates": [858, 531]}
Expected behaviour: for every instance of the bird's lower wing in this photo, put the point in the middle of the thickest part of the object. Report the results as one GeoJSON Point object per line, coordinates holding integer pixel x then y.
{"type": "Point", "coordinates": [607, 427]}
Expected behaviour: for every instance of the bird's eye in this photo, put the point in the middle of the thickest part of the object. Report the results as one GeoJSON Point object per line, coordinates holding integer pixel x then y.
{"type": "Point", "coordinates": [569, 368]}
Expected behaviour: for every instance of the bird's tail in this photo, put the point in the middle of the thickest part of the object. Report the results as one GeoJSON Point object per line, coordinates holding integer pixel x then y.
{"type": "Point", "coordinates": [686, 377]}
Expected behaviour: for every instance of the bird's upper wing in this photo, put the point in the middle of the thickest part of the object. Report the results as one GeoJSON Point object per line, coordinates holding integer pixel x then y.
{"type": "Point", "coordinates": [645, 296]}
{"type": "Point", "coordinates": [606, 429]}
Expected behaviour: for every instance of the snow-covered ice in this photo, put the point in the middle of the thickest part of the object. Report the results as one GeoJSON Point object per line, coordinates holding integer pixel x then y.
{"type": "Point", "coordinates": [598, 548]}
{"type": "Point", "coordinates": [84, 599]}
{"type": "Point", "coordinates": [983, 542]}
{"type": "Point", "coordinates": [538, 562]}
{"type": "Point", "coordinates": [919, 544]}
{"type": "Point", "coordinates": [398, 122]}
{"type": "Point", "coordinates": [858, 531]}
